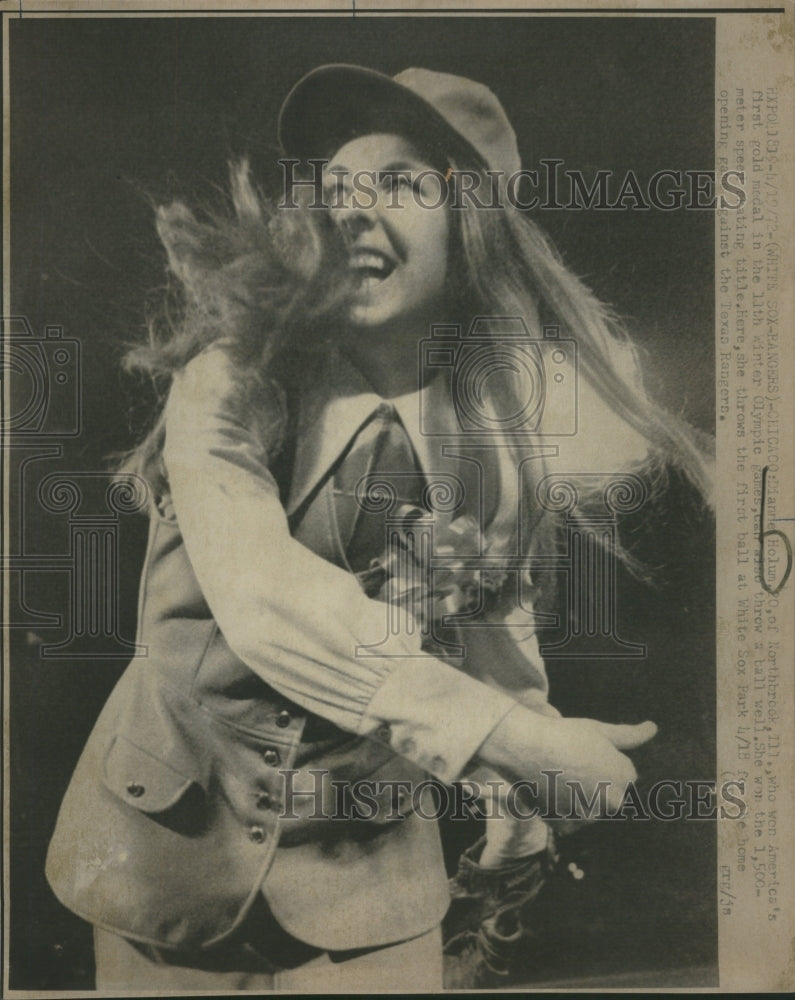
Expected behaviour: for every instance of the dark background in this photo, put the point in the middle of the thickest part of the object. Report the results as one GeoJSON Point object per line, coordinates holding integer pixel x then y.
{"type": "Point", "coordinates": [109, 116]}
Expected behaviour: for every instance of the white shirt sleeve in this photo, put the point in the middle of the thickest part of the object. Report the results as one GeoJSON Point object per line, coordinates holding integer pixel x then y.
{"type": "Point", "coordinates": [293, 617]}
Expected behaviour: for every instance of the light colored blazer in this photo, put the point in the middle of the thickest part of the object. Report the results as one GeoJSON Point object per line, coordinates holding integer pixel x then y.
{"type": "Point", "coordinates": [172, 822]}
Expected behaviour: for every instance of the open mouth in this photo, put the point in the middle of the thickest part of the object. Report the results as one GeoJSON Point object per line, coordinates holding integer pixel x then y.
{"type": "Point", "coordinates": [371, 266]}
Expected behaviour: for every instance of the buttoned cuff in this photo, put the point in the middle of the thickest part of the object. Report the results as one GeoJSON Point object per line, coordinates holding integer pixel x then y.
{"type": "Point", "coordinates": [433, 715]}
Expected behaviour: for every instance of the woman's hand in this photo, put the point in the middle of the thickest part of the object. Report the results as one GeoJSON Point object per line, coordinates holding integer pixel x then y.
{"type": "Point", "coordinates": [586, 753]}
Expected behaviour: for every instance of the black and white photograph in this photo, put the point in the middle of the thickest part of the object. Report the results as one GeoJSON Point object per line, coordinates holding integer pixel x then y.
{"type": "Point", "coordinates": [371, 379]}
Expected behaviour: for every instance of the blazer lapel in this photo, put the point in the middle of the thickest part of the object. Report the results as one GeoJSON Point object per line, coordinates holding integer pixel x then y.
{"type": "Point", "coordinates": [330, 415]}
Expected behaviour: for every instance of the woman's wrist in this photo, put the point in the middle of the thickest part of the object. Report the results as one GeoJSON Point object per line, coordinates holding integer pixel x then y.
{"type": "Point", "coordinates": [583, 756]}
{"type": "Point", "coordinates": [517, 744]}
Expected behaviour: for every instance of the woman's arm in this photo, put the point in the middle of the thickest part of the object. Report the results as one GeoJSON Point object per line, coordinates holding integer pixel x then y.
{"type": "Point", "coordinates": [296, 619]}
{"type": "Point", "coordinates": [290, 615]}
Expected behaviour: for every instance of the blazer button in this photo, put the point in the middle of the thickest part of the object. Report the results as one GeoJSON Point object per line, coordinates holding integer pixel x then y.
{"type": "Point", "coordinates": [257, 834]}
{"type": "Point", "coordinates": [283, 719]}
{"type": "Point", "coordinates": [135, 789]}
{"type": "Point", "coordinates": [263, 800]}
{"type": "Point", "coordinates": [271, 756]}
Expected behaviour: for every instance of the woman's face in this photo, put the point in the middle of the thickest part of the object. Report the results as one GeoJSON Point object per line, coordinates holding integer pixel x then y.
{"type": "Point", "coordinates": [398, 241]}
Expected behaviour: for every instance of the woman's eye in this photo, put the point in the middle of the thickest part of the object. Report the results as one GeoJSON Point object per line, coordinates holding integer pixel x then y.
{"type": "Point", "coordinates": [336, 193]}
{"type": "Point", "coordinates": [395, 180]}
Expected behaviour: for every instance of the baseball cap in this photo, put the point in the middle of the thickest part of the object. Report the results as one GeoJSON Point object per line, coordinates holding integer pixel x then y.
{"type": "Point", "coordinates": [338, 102]}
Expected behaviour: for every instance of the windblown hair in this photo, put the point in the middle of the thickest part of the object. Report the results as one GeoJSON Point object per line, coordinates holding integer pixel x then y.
{"type": "Point", "coordinates": [271, 284]}
{"type": "Point", "coordinates": [510, 268]}
{"type": "Point", "coordinates": [261, 279]}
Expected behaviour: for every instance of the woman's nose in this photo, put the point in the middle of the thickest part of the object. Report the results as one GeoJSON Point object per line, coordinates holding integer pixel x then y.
{"type": "Point", "coordinates": [353, 220]}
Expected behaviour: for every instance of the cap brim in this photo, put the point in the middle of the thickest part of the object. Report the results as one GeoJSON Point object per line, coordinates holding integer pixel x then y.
{"type": "Point", "coordinates": [336, 103]}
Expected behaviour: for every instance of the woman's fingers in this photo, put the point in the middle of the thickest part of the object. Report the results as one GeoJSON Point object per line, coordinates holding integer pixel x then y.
{"type": "Point", "coordinates": [627, 737]}
{"type": "Point", "coordinates": [585, 756]}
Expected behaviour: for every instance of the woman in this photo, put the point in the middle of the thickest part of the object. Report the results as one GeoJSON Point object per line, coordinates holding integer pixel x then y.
{"type": "Point", "coordinates": [214, 832]}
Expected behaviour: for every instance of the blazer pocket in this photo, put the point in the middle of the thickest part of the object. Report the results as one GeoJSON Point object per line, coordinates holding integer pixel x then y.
{"type": "Point", "coordinates": [141, 779]}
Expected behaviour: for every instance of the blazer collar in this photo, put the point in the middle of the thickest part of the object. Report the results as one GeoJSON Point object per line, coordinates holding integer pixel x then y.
{"type": "Point", "coordinates": [332, 412]}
